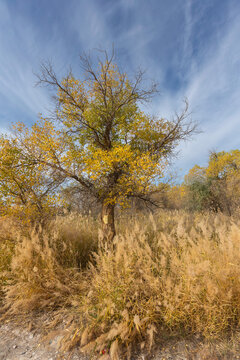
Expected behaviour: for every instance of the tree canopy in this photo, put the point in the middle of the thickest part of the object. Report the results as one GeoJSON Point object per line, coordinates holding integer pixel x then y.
{"type": "Point", "coordinates": [25, 190]}
{"type": "Point", "coordinates": [217, 186]}
{"type": "Point", "coordinates": [100, 137]}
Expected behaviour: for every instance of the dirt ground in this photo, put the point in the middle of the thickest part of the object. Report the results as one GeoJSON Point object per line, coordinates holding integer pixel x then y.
{"type": "Point", "coordinates": [21, 344]}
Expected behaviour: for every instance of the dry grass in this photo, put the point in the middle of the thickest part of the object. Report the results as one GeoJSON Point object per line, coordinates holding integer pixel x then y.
{"type": "Point", "coordinates": [73, 239]}
{"type": "Point", "coordinates": [7, 245]}
{"type": "Point", "coordinates": [174, 274]}
{"type": "Point", "coordinates": [45, 267]}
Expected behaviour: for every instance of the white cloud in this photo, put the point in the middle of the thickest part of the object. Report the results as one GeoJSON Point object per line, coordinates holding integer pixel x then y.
{"type": "Point", "coordinates": [152, 37]}
{"type": "Point", "coordinates": [213, 90]}
{"type": "Point", "coordinates": [21, 51]}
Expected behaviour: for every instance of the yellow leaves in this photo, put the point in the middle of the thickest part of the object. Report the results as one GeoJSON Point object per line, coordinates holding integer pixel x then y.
{"type": "Point", "coordinates": [196, 173]}
{"type": "Point", "coordinates": [216, 187]}
{"type": "Point", "coordinates": [23, 183]}
{"type": "Point", "coordinates": [75, 90]}
{"type": "Point", "coordinates": [224, 164]}
{"type": "Point", "coordinates": [99, 162]}
{"type": "Point", "coordinates": [101, 138]}
{"type": "Point", "coordinates": [136, 170]}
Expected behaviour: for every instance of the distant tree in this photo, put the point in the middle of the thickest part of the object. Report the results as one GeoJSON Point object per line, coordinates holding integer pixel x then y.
{"type": "Point", "coordinates": [224, 173]}
{"type": "Point", "coordinates": [175, 197]}
{"type": "Point", "coordinates": [224, 164]}
{"type": "Point", "coordinates": [216, 187]}
{"type": "Point", "coordinates": [101, 138]}
{"type": "Point", "coordinates": [199, 190]}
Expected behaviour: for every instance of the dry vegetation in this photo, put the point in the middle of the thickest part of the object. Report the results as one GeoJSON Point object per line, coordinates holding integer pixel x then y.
{"type": "Point", "coordinates": [171, 274]}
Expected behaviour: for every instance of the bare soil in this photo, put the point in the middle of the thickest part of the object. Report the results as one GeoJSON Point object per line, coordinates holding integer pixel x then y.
{"type": "Point", "coordinates": [18, 343]}
{"type": "Point", "coordinates": [22, 344]}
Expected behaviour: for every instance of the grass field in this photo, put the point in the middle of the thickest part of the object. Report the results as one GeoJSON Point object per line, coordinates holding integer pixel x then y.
{"type": "Point", "coordinates": [171, 274]}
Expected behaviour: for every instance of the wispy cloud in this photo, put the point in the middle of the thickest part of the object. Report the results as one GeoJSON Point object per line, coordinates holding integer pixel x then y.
{"type": "Point", "coordinates": [190, 48]}
{"type": "Point", "coordinates": [213, 91]}
{"type": "Point", "coordinates": [17, 49]}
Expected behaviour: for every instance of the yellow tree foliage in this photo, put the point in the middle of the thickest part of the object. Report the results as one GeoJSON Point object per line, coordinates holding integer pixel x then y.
{"type": "Point", "coordinates": [101, 138]}
{"type": "Point", "coordinates": [176, 196]}
{"type": "Point", "coordinates": [26, 192]}
{"type": "Point", "coordinates": [217, 186]}
{"type": "Point", "coordinates": [224, 171]}
{"type": "Point", "coordinates": [224, 164]}
{"type": "Point", "coordinates": [197, 173]}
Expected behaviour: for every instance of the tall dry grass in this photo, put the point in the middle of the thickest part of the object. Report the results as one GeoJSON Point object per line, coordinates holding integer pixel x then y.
{"type": "Point", "coordinates": [174, 273]}
{"type": "Point", "coordinates": [7, 245]}
{"type": "Point", "coordinates": [45, 268]}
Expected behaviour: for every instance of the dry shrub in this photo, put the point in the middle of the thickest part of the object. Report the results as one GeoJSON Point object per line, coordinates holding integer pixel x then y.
{"type": "Point", "coordinates": [178, 274]}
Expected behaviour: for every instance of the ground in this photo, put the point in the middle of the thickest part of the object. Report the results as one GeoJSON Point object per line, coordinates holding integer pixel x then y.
{"type": "Point", "coordinates": [24, 344]}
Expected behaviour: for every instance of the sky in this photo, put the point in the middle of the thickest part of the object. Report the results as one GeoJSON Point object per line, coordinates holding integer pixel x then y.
{"type": "Point", "coordinates": [191, 48]}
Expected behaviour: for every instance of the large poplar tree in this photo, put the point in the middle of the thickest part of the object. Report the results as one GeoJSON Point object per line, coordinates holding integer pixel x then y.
{"type": "Point", "coordinates": [101, 138]}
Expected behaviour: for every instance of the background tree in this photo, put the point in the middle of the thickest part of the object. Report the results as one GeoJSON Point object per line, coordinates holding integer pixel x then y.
{"type": "Point", "coordinates": [100, 137]}
{"type": "Point", "coordinates": [175, 197]}
{"type": "Point", "coordinates": [198, 189]}
{"type": "Point", "coordinates": [217, 186]}
{"type": "Point", "coordinates": [224, 173]}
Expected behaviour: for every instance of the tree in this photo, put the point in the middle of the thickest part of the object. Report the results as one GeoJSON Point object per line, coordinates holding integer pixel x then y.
{"type": "Point", "coordinates": [198, 190]}
{"type": "Point", "coordinates": [100, 137]}
{"type": "Point", "coordinates": [25, 190]}
{"type": "Point", "coordinates": [75, 199]}
{"type": "Point", "coordinates": [216, 187]}
{"type": "Point", "coordinates": [224, 173]}
{"type": "Point", "coordinates": [175, 197]}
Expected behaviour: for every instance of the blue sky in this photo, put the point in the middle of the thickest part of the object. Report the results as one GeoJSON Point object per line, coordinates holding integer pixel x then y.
{"type": "Point", "coordinates": [190, 47]}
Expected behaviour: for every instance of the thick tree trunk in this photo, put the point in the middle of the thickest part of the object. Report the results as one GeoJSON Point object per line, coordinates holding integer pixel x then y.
{"type": "Point", "coordinates": [108, 225]}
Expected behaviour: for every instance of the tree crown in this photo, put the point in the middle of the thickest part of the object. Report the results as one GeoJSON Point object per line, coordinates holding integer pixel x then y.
{"type": "Point", "coordinates": [99, 135]}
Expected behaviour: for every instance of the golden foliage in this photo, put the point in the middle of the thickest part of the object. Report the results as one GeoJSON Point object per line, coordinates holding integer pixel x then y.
{"type": "Point", "coordinates": [25, 189]}
{"type": "Point", "coordinates": [217, 186]}
{"type": "Point", "coordinates": [99, 136]}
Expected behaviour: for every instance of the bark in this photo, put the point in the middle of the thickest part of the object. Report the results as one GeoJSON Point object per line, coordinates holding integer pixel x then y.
{"type": "Point", "coordinates": [108, 224]}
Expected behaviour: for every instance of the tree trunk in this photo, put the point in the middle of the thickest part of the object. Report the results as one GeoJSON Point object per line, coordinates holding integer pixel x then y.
{"type": "Point", "coordinates": [108, 225]}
